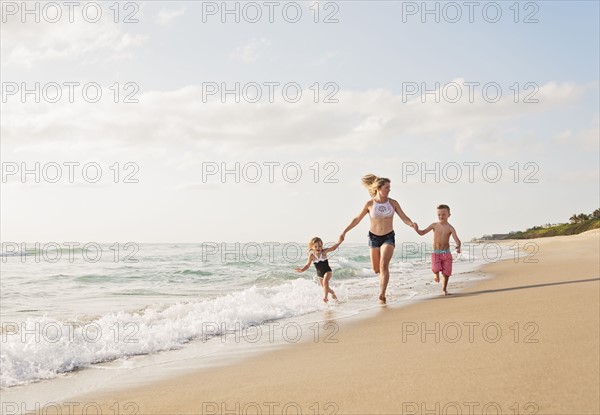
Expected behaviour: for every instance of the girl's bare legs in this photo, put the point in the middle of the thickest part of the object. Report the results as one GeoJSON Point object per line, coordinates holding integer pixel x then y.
{"type": "Point", "coordinates": [326, 288]}
{"type": "Point", "coordinates": [387, 251]}
{"type": "Point", "coordinates": [323, 285]}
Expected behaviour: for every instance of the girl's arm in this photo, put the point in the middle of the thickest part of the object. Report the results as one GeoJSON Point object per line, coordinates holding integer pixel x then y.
{"type": "Point", "coordinates": [426, 230]}
{"type": "Point", "coordinates": [356, 220]}
{"type": "Point", "coordinates": [333, 247]}
{"type": "Point", "coordinates": [455, 236]}
{"type": "Point", "coordinates": [305, 267]}
{"type": "Point", "coordinates": [402, 215]}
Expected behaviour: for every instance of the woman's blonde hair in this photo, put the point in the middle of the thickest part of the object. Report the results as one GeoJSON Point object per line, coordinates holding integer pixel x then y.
{"type": "Point", "coordinates": [374, 183]}
{"type": "Point", "coordinates": [313, 241]}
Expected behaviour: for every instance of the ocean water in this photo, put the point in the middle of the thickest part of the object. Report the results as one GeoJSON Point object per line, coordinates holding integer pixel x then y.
{"type": "Point", "coordinates": [65, 310]}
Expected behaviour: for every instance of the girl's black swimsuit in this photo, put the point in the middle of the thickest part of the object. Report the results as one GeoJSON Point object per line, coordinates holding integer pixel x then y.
{"type": "Point", "coordinates": [322, 266]}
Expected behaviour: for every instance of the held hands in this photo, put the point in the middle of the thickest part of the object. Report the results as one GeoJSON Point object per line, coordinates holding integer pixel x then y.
{"type": "Point", "coordinates": [341, 238]}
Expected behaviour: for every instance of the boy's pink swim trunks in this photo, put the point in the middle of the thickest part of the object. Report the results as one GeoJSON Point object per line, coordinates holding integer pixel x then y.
{"type": "Point", "coordinates": [442, 262]}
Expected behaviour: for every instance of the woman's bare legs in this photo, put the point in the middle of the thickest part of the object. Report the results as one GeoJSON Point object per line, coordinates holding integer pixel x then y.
{"type": "Point", "coordinates": [375, 259]}
{"type": "Point", "coordinates": [387, 251]}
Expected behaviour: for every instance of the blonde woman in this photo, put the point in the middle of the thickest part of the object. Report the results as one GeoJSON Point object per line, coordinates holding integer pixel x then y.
{"type": "Point", "coordinates": [381, 209]}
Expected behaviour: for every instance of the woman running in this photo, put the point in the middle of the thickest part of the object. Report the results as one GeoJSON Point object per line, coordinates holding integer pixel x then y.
{"type": "Point", "coordinates": [381, 236]}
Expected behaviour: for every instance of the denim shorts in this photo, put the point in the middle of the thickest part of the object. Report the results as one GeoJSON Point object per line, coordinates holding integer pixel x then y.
{"type": "Point", "coordinates": [375, 241]}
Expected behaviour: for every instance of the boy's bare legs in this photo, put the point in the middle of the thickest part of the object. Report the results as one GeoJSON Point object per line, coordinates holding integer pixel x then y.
{"type": "Point", "coordinates": [437, 277]}
{"type": "Point", "coordinates": [387, 251]}
{"type": "Point", "coordinates": [445, 284]}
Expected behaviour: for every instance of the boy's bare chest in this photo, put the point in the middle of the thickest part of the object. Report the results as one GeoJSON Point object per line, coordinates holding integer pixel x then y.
{"type": "Point", "coordinates": [442, 230]}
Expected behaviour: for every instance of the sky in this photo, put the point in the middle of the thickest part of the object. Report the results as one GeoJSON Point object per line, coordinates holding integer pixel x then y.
{"type": "Point", "coordinates": [199, 121]}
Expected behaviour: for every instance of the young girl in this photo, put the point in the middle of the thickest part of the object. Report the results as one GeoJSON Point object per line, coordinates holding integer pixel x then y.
{"type": "Point", "coordinates": [318, 256]}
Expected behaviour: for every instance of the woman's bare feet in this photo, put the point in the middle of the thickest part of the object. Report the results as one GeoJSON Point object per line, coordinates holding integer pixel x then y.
{"type": "Point", "coordinates": [333, 295]}
{"type": "Point", "coordinates": [325, 299]}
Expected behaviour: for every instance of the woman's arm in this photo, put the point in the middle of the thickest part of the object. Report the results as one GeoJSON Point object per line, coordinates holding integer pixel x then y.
{"type": "Point", "coordinates": [402, 215]}
{"type": "Point", "coordinates": [356, 220]}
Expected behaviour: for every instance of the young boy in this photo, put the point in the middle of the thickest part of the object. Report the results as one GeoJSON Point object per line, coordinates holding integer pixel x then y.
{"type": "Point", "coordinates": [441, 258]}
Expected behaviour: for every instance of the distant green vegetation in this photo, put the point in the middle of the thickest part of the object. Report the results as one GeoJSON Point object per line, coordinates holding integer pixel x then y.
{"type": "Point", "coordinates": [578, 223]}
{"type": "Point", "coordinates": [561, 229]}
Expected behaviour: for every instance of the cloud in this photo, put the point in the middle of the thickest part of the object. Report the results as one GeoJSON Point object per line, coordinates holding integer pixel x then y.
{"type": "Point", "coordinates": [28, 44]}
{"type": "Point", "coordinates": [325, 58]}
{"type": "Point", "coordinates": [250, 52]}
{"type": "Point", "coordinates": [198, 186]}
{"type": "Point", "coordinates": [183, 118]}
{"type": "Point", "coordinates": [166, 17]}
{"type": "Point", "coordinates": [588, 137]}
{"type": "Point", "coordinates": [583, 176]}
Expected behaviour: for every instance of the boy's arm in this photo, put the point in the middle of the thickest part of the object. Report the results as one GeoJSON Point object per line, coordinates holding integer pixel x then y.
{"type": "Point", "coordinates": [305, 267]}
{"type": "Point", "coordinates": [455, 236]}
{"type": "Point", "coordinates": [403, 216]}
{"type": "Point", "coordinates": [426, 230]}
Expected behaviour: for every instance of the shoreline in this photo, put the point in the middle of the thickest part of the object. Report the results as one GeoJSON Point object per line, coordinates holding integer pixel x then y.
{"type": "Point", "coordinates": [498, 343]}
{"type": "Point", "coordinates": [221, 350]}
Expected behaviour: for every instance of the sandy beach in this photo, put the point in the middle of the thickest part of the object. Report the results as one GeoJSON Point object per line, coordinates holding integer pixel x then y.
{"type": "Point", "coordinates": [525, 341]}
